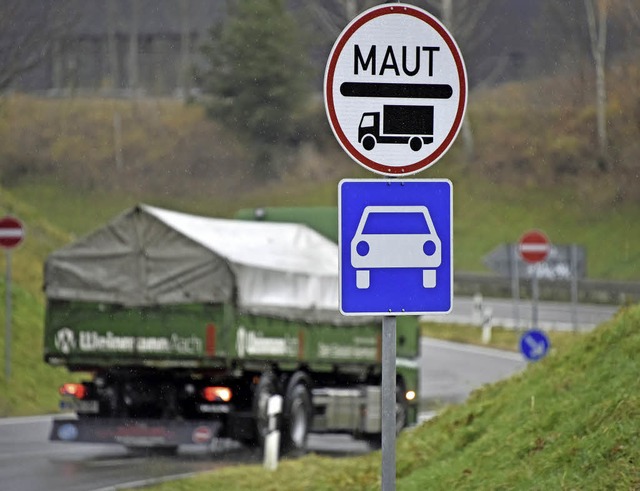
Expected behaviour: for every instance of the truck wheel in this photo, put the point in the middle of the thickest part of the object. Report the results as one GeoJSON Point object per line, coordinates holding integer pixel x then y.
{"type": "Point", "coordinates": [267, 387]}
{"type": "Point", "coordinates": [375, 439]}
{"type": "Point", "coordinates": [402, 407]}
{"type": "Point", "coordinates": [368, 142]}
{"type": "Point", "coordinates": [298, 411]}
{"type": "Point", "coordinates": [163, 451]}
{"type": "Point", "coordinates": [415, 143]}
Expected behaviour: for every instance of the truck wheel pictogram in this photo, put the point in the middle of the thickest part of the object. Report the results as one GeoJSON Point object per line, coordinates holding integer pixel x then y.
{"type": "Point", "coordinates": [368, 142]}
{"type": "Point", "coordinates": [415, 143]}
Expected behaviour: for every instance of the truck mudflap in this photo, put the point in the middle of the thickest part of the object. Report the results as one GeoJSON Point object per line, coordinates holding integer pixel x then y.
{"type": "Point", "coordinates": [134, 433]}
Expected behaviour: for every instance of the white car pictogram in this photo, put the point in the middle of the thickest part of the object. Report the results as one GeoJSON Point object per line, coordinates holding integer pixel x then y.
{"type": "Point", "coordinates": [395, 237]}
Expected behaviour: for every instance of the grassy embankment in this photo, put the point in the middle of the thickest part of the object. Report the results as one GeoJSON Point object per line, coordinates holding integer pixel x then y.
{"type": "Point", "coordinates": [485, 215]}
{"type": "Point", "coordinates": [31, 388]}
{"type": "Point", "coordinates": [569, 422]}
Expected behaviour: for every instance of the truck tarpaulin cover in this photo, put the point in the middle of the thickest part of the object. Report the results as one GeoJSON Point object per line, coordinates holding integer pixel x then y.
{"type": "Point", "coordinates": [152, 256]}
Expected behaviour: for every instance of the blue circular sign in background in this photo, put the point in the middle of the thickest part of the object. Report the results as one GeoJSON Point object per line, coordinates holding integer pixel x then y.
{"type": "Point", "coordinates": [534, 344]}
{"type": "Point", "coordinates": [68, 432]}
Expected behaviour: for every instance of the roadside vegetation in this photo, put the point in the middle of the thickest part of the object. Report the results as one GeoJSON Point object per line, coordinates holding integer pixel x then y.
{"type": "Point", "coordinates": [501, 337]}
{"type": "Point", "coordinates": [32, 386]}
{"type": "Point", "coordinates": [567, 422]}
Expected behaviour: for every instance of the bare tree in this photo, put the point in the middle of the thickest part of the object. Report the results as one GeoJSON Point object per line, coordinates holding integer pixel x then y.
{"type": "Point", "coordinates": [27, 32]}
{"type": "Point", "coordinates": [597, 16]}
{"type": "Point", "coordinates": [184, 77]}
{"type": "Point", "coordinates": [467, 22]}
{"type": "Point", "coordinates": [112, 46]}
{"type": "Point", "coordinates": [134, 64]}
{"type": "Point", "coordinates": [332, 15]}
{"type": "Point", "coordinates": [633, 12]}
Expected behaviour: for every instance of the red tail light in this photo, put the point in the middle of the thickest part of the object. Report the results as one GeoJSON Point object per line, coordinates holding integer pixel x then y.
{"type": "Point", "coordinates": [76, 390]}
{"type": "Point", "coordinates": [217, 394]}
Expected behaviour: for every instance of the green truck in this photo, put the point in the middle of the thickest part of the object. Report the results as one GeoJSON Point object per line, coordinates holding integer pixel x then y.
{"type": "Point", "coordinates": [184, 326]}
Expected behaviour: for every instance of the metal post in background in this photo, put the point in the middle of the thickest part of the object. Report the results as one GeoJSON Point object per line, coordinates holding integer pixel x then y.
{"type": "Point", "coordinates": [388, 403]}
{"type": "Point", "coordinates": [515, 284]}
{"type": "Point", "coordinates": [11, 234]}
{"type": "Point", "coordinates": [7, 329]}
{"type": "Point", "coordinates": [534, 297]}
{"type": "Point", "coordinates": [574, 286]}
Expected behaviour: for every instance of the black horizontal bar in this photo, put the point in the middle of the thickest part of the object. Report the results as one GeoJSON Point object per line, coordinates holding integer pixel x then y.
{"type": "Point", "coordinates": [413, 91]}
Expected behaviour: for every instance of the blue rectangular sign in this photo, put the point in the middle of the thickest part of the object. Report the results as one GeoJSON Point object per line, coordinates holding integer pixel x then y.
{"type": "Point", "coordinates": [396, 246]}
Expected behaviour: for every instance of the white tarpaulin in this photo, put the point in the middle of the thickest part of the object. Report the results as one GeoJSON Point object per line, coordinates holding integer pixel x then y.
{"type": "Point", "coordinates": [152, 256]}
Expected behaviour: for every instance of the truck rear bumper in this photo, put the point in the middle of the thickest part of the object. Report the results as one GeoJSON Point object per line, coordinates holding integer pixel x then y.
{"type": "Point", "coordinates": [134, 433]}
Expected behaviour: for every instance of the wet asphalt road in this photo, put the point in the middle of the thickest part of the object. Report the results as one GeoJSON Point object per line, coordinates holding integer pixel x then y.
{"type": "Point", "coordinates": [29, 462]}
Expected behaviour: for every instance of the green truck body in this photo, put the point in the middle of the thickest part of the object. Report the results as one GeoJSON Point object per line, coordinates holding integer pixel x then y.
{"type": "Point", "coordinates": [181, 354]}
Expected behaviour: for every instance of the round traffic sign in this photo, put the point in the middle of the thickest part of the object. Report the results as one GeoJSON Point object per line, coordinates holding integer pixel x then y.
{"type": "Point", "coordinates": [11, 232]}
{"type": "Point", "coordinates": [395, 89]}
{"type": "Point", "coordinates": [202, 434]}
{"type": "Point", "coordinates": [534, 344]}
{"type": "Point", "coordinates": [534, 246]}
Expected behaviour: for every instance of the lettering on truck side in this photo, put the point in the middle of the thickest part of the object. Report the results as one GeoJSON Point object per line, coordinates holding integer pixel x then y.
{"type": "Point", "coordinates": [66, 340]}
{"type": "Point", "coordinates": [256, 343]}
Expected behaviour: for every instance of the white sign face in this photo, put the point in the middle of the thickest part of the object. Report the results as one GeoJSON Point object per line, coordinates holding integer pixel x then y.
{"type": "Point", "coordinates": [395, 89]}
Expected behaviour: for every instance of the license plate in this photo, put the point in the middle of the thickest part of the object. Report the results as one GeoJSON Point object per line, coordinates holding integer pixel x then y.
{"type": "Point", "coordinates": [79, 406]}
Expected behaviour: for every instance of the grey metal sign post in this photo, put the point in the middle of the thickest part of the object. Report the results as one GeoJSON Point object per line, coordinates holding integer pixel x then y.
{"type": "Point", "coordinates": [565, 262]}
{"type": "Point", "coordinates": [7, 326]}
{"type": "Point", "coordinates": [11, 234]}
{"type": "Point", "coordinates": [534, 247]}
{"type": "Point", "coordinates": [389, 403]}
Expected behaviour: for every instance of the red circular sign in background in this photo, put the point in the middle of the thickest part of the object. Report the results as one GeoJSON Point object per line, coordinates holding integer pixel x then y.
{"type": "Point", "coordinates": [534, 246]}
{"type": "Point", "coordinates": [11, 232]}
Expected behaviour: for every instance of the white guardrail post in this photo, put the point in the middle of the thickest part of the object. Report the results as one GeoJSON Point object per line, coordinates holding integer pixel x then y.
{"type": "Point", "coordinates": [272, 440]}
{"type": "Point", "coordinates": [487, 324]}
{"type": "Point", "coordinates": [476, 313]}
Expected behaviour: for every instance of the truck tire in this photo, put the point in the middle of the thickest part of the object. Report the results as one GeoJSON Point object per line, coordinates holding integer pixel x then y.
{"type": "Point", "coordinates": [163, 451]}
{"type": "Point", "coordinates": [266, 387]}
{"type": "Point", "coordinates": [297, 414]}
{"type": "Point", "coordinates": [402, 409]}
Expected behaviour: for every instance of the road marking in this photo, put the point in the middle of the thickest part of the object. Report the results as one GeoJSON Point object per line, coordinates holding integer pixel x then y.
{"type": "Point", "coordinates": [476, 350]}
{"type": "Point", "coordinates": [143, 483]}
{"type": "Point", "coordinates": [25, 455]}
{"type": "Point", "coordinates": [25, 420]}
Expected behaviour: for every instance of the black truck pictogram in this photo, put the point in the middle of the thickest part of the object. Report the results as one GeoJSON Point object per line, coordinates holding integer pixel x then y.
{"type": "Point", "coordinates": [397, 124]}
{"type": "Point", "coordinates": [400, 124]}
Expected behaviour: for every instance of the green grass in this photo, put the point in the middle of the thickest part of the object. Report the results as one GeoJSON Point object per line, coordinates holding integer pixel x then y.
{"type": "Point", "coordinates": [501, 338]}
{"type": "Point", "coordinates": [485, 215]}
{"type": "Point", "coordinates": [32, 385]}
{"type": "Point", "coordinates": [568, 422]}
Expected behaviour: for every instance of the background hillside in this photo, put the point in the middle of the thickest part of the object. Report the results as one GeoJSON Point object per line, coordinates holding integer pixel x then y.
{"type": "Point", "coordinates": [534, 165]}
